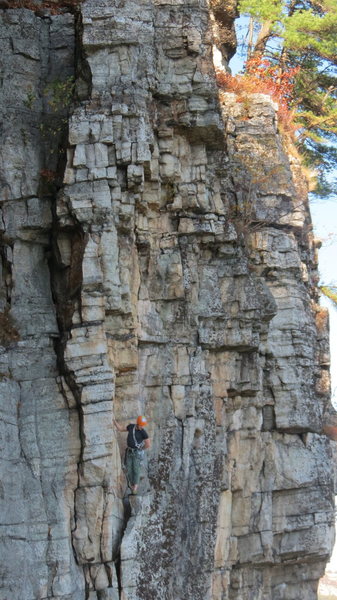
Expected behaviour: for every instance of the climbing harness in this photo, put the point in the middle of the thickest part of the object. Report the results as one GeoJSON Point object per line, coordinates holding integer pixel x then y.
{"type": "Point", "coordinates": [138, 446]}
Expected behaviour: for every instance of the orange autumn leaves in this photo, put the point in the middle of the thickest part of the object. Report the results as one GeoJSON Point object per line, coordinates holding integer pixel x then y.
{"type": "Point", "coordinates": [261, 76]}
{"type": "Point", "coordinates": [53, 7]}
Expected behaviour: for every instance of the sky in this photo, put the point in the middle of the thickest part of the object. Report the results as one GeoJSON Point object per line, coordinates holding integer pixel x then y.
{"type": "Point", "coordinates": [324, 217]}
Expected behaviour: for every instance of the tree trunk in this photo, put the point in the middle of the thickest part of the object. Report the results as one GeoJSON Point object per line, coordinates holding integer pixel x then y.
{"type": "Point", "coordinates": [264, 34]}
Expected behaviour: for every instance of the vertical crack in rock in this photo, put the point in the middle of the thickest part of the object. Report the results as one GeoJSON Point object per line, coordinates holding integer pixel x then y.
{"type": "Point", "coordinates": [88, 379]}
{"type": "Point", "coordinates": [40, 431]}
{"type": "Point", "coordinates": [8, 330]}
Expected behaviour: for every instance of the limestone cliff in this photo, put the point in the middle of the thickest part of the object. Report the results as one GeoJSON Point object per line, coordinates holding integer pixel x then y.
{"type": "Point", "coordinates": [166, 266]}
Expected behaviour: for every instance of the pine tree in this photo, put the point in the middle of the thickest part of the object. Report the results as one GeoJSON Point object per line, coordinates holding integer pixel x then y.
{"type": "Point", "coordinates": [302, 34]}
{"type": "Point", "coordinates": [330, 292]}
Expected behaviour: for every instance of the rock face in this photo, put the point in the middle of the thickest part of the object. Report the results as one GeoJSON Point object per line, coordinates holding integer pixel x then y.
{"type": "Point", "coordinates": [172, 274]}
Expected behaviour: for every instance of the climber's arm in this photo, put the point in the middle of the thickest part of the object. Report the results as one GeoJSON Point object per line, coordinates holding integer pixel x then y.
{"type": "Point", "coordinates": [118, 426]}
{"type": "Point", "coordinates": [147, 443]}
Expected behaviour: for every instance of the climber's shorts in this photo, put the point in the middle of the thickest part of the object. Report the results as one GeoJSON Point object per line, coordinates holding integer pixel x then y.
{"type": "Point", "coordinates": [133, 461]}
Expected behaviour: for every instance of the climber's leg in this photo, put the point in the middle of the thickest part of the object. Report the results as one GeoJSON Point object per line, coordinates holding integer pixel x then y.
{"type": "Point", "coordinates": [129, 468]}
{"type": "Point", "coordinates": [136, 471]}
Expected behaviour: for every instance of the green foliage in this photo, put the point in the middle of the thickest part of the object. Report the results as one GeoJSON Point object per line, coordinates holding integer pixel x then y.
{"type": "Point", "coordinates": [330, 292]}
{"type": "Point", "coordinates": [30, 99]}
{"type": "Point", "coordinates": [262, 10]}
{"type": "Point", "coordinates": [308, 31]}
{"type": "Point", "coordinates": [59, 94]}
{"type": "Point", "coordinates": [302, 33]}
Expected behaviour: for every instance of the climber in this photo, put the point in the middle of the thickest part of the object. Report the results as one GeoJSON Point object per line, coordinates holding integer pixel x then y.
{"type": "Point", "coordinates": [137, 441]}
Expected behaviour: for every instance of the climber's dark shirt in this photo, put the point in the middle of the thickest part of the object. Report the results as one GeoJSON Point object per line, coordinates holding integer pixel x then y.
{"type": "Point", "coordinates": [140, 435]}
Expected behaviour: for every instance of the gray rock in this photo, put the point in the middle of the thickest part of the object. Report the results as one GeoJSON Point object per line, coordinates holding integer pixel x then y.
{"type": "Point", "coordinates": [169, 275]}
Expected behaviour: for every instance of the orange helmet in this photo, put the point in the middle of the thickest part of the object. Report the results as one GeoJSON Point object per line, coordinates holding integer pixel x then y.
{"type": "Point", "coordinates": [141, 421]}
